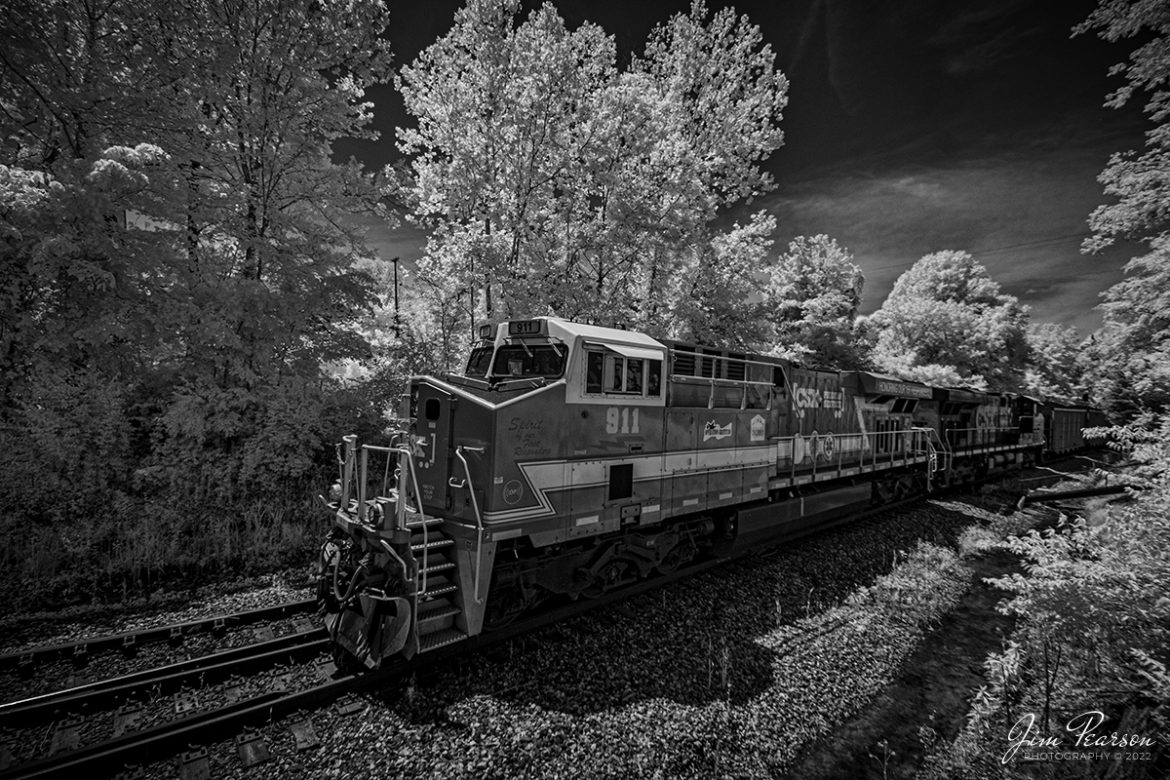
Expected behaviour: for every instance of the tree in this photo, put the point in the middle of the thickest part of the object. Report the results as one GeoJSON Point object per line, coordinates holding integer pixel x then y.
{"type": "Point", "coordinates": [1057, 363]}
{"type": "Point", "coordinates": [234, 216]}
{"type": "Point", "coordinates": [1139, 181]}
{"type": "Point", "coordinates": [499, 109]}
{"type": "Point", "coordinates": [176, 254]}
{"type": "Point", "coordinates": [552, 183]}
{"type": "Point", "coordinates": [946, 320]}
{"type": "Point", "coordinates": [811, 299]}
{"type": "Point", "coordinates": [1132, 347]}
{"type": "Point", "coordinates": [721, 302]}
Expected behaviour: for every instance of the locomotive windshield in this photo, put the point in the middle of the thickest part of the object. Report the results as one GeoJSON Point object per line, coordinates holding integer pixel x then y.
{"type": "Point", "coordinates": [518, 361]}
{"type": "Point", "coordinates": [523, 361]}
{"type": "Point", "coordinates": [479, 362]}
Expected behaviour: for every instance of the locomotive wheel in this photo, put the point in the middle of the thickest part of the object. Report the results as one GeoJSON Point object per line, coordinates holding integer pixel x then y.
{"type": "Point", "coordinates": [610, 576]}
{"type": "Point", "coordinates": [345, 662]}
{"type": "Point", "coordinates": [503, 608]}
{"type": "Point", "coordinates": [682, 553]}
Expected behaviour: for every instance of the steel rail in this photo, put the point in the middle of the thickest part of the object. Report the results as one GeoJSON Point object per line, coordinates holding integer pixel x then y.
{"type": "Point", "coordinates": [165, 740]}
{"type": "Point", "coordinates": [1040, 497]}
{"type": "Point", "coordinates": [130, 639]}
{"type": "Point", "coordinates": [163, 680]}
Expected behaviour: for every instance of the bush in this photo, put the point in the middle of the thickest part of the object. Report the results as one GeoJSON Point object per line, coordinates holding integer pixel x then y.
{"type": "Point", "coordinates": [107, 493]}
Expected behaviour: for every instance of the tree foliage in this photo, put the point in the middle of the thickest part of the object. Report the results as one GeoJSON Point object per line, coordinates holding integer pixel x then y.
{"type": "Point", "coordinates": [554, 183]}
{"type": "Point", "coordinates": [1092, 611]}
{"type": "Point", "coordinates": [177, 264]}
{"type": "Point", "coordinates": [1138, 180]}
{"type": "Point", "coordinates": [1094, 617]}
{"type": "Point", "coordinates": [720, 301]}
{"type": "Point", "coordinates": [946, 321]}
{"type": "Point", "coordinates": [811, 299]}
{"type": "Point", "coordinates": [1058, 362]}
{"type": "Point", "coordinates": [1132, 347]}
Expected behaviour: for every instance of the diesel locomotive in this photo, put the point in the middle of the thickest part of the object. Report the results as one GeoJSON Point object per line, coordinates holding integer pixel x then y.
{"type": "Point", "coordinates": [569, 460]}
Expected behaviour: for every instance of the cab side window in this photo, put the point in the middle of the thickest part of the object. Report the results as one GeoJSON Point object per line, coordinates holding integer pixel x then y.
{"type": "Point", "coordinates": [611, 374]}
{"type": "Point", "coordinates": [634, 376]}
{"type": "Point", "coordinates": [594, 371]}
{"type": "Point", "coordinates": [654, 378]}
{"type": "Point", "coordinates": [615, 371]}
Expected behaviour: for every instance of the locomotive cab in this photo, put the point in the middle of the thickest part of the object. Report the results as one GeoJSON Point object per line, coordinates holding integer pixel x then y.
{"type": "Point", "coordinates": [524, 350]}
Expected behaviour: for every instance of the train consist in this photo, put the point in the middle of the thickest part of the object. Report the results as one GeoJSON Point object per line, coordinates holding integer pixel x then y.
{"type": "Point", "coordinates": [570, 460]}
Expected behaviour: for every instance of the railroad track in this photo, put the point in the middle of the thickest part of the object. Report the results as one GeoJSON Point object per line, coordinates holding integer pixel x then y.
{"type": "Point", "coordinates": [128, 747]}
{"type": "Point", "coordinates": [55, 722]}
{"type": "Point", "coordinates": [161, 681]}
{"type": "Point", "coordinates": [79, 652]}
{"type": "Point", "coordinates": [134, 748]}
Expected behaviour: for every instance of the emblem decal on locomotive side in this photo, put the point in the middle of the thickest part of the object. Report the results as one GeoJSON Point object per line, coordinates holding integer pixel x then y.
{"type": "Point", "coordinates": [758, 428]}
{"type": "Point", "coordinates": [713, 430]}
{"type": "Point", "coordinates": [513, 492]}
{"type": "Point", "coordinates": [827, 446]}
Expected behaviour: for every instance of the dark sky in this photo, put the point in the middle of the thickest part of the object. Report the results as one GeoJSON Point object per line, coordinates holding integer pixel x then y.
{"type": "Point", "coordinates": [912, 126]}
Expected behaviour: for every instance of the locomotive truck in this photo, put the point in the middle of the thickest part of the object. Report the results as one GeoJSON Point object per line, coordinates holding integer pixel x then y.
{"type": "Point", "coordinates": [569, 460]}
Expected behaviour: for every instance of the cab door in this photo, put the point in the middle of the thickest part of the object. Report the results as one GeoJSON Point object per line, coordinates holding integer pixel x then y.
{"type": "Point", "coordinates": [432, 446]}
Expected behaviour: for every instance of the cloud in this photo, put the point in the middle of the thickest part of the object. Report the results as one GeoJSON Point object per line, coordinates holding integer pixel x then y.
{"type": "Point", "coordinates": [388, 239]}
{"type": "Point", "coordinates": [1022, 215]}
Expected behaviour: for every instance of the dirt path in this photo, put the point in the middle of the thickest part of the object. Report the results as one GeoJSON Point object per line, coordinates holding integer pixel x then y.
{"type": "Point", "coordinates": [933, 690]}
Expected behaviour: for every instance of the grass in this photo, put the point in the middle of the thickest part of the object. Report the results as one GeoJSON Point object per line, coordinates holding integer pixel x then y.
{"type": "Point", "coordinates": [134, 549]}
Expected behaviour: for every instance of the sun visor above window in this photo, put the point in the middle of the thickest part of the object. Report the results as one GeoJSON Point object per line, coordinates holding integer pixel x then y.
{"type": "Point", "coordinates": [888, 386]}
{"type": "Point", "coordinates": [627, 351]}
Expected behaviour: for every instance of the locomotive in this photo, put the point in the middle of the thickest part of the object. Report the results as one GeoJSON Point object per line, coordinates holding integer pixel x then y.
{"type": "Point", "coordinates": [569, 460]}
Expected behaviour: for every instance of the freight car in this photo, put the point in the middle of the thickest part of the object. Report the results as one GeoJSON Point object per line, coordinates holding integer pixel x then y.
{"type": "Point", "coordinates": [569, 460]}
{"type": "Point", "coordinates": [1067, 423]}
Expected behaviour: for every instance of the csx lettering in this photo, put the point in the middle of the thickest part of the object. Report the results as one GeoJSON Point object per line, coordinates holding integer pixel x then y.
{"type": "Point", "coordinates": [815, 398]}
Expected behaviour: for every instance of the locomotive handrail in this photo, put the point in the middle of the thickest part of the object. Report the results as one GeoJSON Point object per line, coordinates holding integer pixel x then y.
{"type": "Point", "coordinates": [422, 517]}
{"type": "Point", "coordinates": [745, 362]}
{"type": "Point", "coordinates": [931, 436]}
{"type": "Point", "coordinates": [702, 380]}
{"type": "Point", "coordinates": [346, 464]}
{"type": "Point", "coordinates": [722, 381]}
{"type": "Point", "coordinates": [478, 518]}
{"type": "Point", "coordinates": [363, 475]}
{"type": "Point", "coordinates": [979, 436]}
{"type": "Point", "coordinates": [405, 571]}
{"type": "Point", "coordinates": [363, 463]}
